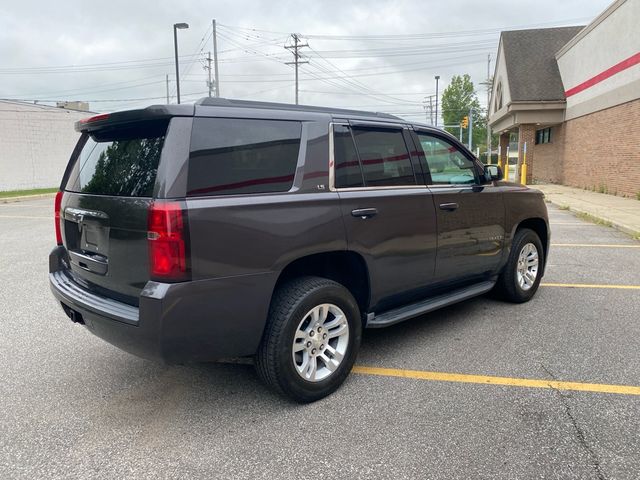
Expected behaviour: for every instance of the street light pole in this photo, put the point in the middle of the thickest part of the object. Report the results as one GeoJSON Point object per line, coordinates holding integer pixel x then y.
{"type": "Point", "coordinates": [437, 78]}
{"type": "Point", "coordinates": [177, 26]}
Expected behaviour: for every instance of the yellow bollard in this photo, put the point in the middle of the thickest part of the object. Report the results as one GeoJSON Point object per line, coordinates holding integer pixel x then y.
{"type": "Point", "coordinates": [523, 174]}
{"type": "Point", "coordinates": [523, 168]}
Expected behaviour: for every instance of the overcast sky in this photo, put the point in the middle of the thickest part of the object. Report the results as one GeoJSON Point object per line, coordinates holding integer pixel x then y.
{"type": "Point", "coordinates": [374, 55]}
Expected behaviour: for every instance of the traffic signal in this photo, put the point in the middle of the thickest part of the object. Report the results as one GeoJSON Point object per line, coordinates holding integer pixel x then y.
{"type": "Point", "coordinates": [464, 123]}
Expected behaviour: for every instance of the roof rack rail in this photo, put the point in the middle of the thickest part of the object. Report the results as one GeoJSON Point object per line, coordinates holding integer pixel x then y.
{"type": "Point", "coordinates": [227, 102]}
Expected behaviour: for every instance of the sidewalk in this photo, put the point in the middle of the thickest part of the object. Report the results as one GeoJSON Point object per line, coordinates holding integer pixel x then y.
{"type": "Point", "coordinates": [622, 213]}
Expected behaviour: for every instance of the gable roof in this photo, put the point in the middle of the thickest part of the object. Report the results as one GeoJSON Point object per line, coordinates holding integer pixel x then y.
{"type": "Point", "coordinates": [531, 63]}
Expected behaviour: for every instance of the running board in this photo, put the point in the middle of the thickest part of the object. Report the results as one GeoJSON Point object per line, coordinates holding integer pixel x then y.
{"type": "Point", "coordinates": [430, 304]}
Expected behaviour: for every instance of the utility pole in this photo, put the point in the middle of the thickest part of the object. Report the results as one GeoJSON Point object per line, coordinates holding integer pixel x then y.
{"type": "Point", "coordinates": [168, 89]}
{"type": "Point", "coordinates": [437, 79]}
{"type": "Point", "coordinates": [431, 107]}
{"type": "Point", "coordinates": [208, 68]}
{"type": "Point", "coordinates": [296, 56]}
{"type": "Point", "coordinates": [215, 60]}
{"type": "Point", "coordinates": [428, 108]}
{"type": "Point", "coordinates": [470, 127]}
{"type": "Point", "coordinates": [489, 88]}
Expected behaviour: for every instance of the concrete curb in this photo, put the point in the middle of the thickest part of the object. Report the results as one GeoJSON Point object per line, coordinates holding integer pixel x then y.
{"type": "Point", "coordinates": [617, 225]}
{"type": "Point", "coordinates": [26, 197]}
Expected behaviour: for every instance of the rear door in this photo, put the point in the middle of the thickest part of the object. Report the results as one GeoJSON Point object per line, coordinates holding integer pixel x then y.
{"type": "Point", "coordinates": [470, 216]}
{"type": "Point", "coordinates": [387, 209]}
{"type": "Point", "coordinates": [108, 188]}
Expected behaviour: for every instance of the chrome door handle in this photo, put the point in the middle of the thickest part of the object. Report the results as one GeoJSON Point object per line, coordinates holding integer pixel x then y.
{"type": "Point", "coordinates": [449, 207]}
{"type": "Point", "coordinates": [364, 212]}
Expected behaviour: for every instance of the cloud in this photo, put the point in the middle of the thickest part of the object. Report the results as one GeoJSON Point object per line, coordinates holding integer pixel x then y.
{"type": "Point", "coordinates": [389, 73]}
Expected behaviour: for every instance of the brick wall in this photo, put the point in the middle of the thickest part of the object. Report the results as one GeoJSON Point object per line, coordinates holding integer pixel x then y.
{"type": "Point", "coordinates": [602, 150]}
{"type": "Point", "coordinates": [35, 144]}
{"type": "Point", "coordinates": [548, 164]}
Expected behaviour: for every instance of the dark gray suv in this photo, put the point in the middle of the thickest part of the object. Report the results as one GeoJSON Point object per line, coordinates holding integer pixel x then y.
{"type": "Point", "coordinates": [230, 228]}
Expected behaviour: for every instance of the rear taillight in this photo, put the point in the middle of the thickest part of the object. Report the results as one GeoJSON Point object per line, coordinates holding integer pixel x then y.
{"type": "Point", "coordinates": [167, 242]}
{"type": "Point", "coordinates": [95, 118]}
{"type": "Point", "coordinates": [56, 215]}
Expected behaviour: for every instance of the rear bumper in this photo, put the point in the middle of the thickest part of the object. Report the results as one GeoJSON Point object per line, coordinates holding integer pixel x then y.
{"type": "Point", "coordinates": [190, 321]}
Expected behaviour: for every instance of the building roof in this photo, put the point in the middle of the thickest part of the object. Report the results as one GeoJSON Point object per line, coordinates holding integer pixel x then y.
{"type": "Point", "coordinates": [531, 63]}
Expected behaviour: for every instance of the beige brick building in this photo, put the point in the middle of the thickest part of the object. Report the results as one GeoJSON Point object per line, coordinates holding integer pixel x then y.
{"type": "Point", "coordinates": [36, 142]}
{"type": "Point", "coordinates": [572, 96]}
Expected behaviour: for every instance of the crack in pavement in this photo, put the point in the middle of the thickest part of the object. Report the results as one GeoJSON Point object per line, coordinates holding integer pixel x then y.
{"type": "Point", "coordinates": [582, 440]}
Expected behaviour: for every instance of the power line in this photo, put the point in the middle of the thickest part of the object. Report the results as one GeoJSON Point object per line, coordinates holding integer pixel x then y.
{"type": "Point", "coordinates": [97, 67]}
{"type": "Point", "coordinates": [418, 36]}
{"type": "Point", "coordinates": [83, 90]}
{"type": "Point", "coordinates": [419, 94]}
{"type": "Point", "coordinates": [354, 82]}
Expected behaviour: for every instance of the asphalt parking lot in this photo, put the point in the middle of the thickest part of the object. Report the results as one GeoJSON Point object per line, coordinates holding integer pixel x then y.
{"type": "Point", "coordinates": [72, 406]}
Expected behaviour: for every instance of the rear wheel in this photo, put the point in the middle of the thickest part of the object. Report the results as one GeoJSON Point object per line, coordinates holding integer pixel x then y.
{"type": "Point", "coordinates": [521, 276]}
{"type": "Point", "coordinates": [311, 339]}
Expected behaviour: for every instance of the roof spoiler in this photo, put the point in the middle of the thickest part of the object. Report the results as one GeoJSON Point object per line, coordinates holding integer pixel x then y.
{"type": "Point", "coordinates": [127, 116]}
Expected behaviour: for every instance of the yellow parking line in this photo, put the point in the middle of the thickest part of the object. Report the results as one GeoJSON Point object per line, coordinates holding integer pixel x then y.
{"type": "Point", "coordinates": [589, 285]}
{"type": "Point", "coordinates": [594, 245]}
{"type": "Point", "coordinates": [489, 380]}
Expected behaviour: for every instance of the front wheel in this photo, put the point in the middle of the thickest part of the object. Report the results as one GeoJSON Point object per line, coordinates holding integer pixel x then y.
{"type": "Point", "coordinates": [311, 339]}
{"type": "Point", "coordinates": [521, 276]}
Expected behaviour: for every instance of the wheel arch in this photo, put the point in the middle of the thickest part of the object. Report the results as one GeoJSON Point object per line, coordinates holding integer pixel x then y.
{"type": "Point", "coordinates": [540, 226]}
{"type": "Point", "coordinates": [343, 266]}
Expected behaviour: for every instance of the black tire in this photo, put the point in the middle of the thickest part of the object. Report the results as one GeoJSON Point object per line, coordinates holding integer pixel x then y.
{"type": "Point", "coordinates": [290, 304]}
{"type": "Point", "coordinates": [507, 287]}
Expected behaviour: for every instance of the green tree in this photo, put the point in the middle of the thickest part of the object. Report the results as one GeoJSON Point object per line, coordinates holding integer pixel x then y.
{"type": "Point", "coordinates": [457, 100]}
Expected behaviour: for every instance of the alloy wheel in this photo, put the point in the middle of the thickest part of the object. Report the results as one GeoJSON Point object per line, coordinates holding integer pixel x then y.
{"type": "Point", "coordinates": [320, 342]}
{"type": "Point", "coordinates": [527, 268]}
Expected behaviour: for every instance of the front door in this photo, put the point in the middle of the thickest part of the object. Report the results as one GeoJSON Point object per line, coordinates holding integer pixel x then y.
{"type": "Point", "coordinates": [388, 213]}
{"type": "Point", "coordinates": [470, 216]}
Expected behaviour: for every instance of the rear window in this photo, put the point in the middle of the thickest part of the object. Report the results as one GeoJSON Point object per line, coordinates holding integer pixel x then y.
{"type": "Point", "coordinates": [119, 162]}
{"type": "Point", "coordinates": [239, 156]}
{"type": "Point", "coordinates": [384, 157]}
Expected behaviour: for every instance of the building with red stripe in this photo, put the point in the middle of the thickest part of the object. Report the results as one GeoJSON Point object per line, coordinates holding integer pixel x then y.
{"type": "Point", "coordinates": [572, 96]}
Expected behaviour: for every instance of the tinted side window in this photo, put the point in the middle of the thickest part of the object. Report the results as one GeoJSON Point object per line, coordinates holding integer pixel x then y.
{"type": "Point", "coordinates": [120, 162]}
{"type": "Point", "coordinates": [384, 157]}
{"type": "Point", "coordinates": [448, 166]}
{"type": "Point", "coordinates": [347, 168]}
{"type": "Point", "coordinates": [231, 156]}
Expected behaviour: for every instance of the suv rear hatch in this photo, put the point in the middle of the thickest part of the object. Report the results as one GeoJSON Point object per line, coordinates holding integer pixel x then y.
{"type": "Point", "coordinates": [108, 193]}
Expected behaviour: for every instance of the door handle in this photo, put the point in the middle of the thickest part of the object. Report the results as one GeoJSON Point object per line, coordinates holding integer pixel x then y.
{"type": "Point", "coordinates": [364, 212]}
{"type": "Point", "coordinates": [449, 207]}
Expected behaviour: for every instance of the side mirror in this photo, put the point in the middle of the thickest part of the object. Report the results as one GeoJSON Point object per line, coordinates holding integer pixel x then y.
{"type": "Point", "coordinates": [492, 173]}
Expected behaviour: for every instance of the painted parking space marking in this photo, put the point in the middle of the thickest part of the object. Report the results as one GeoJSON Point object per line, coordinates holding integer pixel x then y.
{"type": "Point", "coordinates": [590, 285]}
{"type": "Point", "coordinates": [595, 245]}
{"type": "Point", "coordinates": [491, 380]}
{"type": "Point", "coordinates": [24, 216]}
